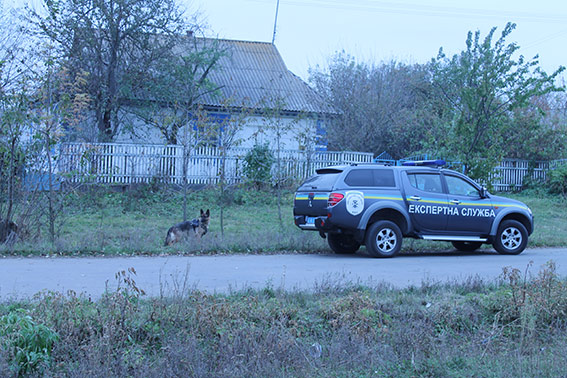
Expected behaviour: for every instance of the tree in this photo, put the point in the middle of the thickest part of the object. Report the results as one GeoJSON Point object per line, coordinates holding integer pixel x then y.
{"type": "Point", "coordinates": [14, 114]}
{"type": "Point", "coordinates": [277, 127]}
{"type": "Point", "coordinates": [59, 103]}
{"type": "Point", "coordinates": [170, 88]}
{"type": "Point", "coordinates": [109, 39]}
{"type": "Point", "coordinates": [481, 87]}
{"type": "Point", "coordinates": [228, 130]}
{"type": "Point", "coordinates": [383, 107]}
{"type": "Point", "coordinates": [192, 140]}
{"type": "Point", "coordinates": [537, 131]}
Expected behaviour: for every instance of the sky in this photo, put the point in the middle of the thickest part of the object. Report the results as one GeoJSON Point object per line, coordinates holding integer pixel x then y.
{"type": "Point", "coordinates": [310, 32]}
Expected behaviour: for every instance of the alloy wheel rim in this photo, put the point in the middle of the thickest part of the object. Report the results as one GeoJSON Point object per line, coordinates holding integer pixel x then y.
{"type": "Point", "coordinates": [386, 240]}
{"type": "Point", "coordinates": [511, 238]}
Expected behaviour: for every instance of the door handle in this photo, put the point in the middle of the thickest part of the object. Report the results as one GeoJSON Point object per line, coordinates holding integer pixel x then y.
{"type": "Point", "coordinates": [455, 202]}
{"type": "Point", "coordinates": [415, 198]}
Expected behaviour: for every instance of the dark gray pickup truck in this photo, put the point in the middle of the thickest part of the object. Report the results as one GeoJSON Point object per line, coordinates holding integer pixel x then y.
{"type": "Point", "coordinates": [376, 206]}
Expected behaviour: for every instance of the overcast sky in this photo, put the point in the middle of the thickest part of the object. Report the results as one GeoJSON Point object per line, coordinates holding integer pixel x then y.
{"type": "Point", "coordinates": [310, 31]}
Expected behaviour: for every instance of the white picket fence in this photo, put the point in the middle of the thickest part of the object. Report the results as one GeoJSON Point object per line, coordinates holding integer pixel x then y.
{"type": "Point", "coordinates": [123, 164]}
{"type": "Point", "coordinates": [510, 173]}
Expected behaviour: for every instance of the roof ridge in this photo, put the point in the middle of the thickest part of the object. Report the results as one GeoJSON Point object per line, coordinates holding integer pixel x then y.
{"type": "Point", "coordinates": [240, 40]}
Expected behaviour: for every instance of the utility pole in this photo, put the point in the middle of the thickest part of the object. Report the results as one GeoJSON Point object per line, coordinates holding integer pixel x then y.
{"type": "Point", "coordinates": [276, 21]}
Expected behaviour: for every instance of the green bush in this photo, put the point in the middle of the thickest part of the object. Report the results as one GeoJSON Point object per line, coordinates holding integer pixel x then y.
{"type": "Point", "coordinates": [557, 180]}
{"type": "Point", "coordinates": [259, 161]}
{"type": "Point", "coordinates": [29, 343]}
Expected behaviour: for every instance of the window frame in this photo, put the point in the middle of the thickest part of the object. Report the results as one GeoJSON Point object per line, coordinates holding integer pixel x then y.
{"type": "Point", "coordinates": [446, 177]}
{"type": "Point", "coordinates": [436, 174]}
{"type": "Point", "coordinates": [374, 178]}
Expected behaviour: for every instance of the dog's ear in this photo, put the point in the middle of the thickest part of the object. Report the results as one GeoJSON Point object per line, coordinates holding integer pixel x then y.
{"type": "Point", "coordinates": [202, 212]}
{"type": "Point", "coordinates": [208, 213]}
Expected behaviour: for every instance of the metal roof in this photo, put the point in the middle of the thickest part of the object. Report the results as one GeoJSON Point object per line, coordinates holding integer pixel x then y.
{"type": "Point", "coordinates": [253, 74]}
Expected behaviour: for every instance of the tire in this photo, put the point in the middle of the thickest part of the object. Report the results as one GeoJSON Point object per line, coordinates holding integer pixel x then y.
{"type": "Point", "coordinates": [511, 238]}
{"type": "Point", "coordinates": [343, 244]}
{"type": "Point", "coordinates": [466, 246]}
{"type": "Point", "coordinates": [383, 239]}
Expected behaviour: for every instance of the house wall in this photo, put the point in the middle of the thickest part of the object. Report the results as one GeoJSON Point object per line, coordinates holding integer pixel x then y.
{"type": "Point", "coordinates": [295, 133]}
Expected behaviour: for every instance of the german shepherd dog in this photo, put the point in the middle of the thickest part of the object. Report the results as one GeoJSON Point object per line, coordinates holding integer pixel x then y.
{"type": "Point", "coordinates": [198, 227]}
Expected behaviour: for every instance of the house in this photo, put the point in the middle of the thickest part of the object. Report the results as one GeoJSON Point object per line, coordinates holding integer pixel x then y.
{"type": "Point", "coordinates": [254, 77]}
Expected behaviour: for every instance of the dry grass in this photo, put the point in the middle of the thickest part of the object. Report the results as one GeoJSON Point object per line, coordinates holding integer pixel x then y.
{"type": "Point", "coordinates": [514, 327]}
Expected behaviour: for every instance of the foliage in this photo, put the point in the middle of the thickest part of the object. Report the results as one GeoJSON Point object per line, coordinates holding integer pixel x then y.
{"type": "Point", "coordinates": [384, 107]}
{"type": "Point", "coordinates": [30, 344]}
{"type": "Point", "coordinates": [259, 161]}
{"type": "Point", "coordinates": [169, 89]}
{"type": "Point", "coordinates": [481, 87]}
{"type": "Point", "coordinates": [109, 40]}
{"type": "Point", "coordinates": [557, 180]}
{"type": "Point", "coordinates": [528, 306]}
{"type": "Point", "coordinates": [512, 327]}
{"type": "Point", "coordinates": [15, 99]}
{"type": "Point", "coordinates": [59, 103]}
{"type": "Point", "coordinates": [538, 131]}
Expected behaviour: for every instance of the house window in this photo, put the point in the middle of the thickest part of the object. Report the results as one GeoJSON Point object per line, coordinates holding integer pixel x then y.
{"type": "Point", "coordinates": [208, 129]}
{"type": "Point", "coordinates": [321, 136]}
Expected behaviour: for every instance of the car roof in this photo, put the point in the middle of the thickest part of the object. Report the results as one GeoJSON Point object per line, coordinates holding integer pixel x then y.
{"type": "Point", "coordinates": [349, 167]}
{"type": "Point", "coordinates": [378, 165]}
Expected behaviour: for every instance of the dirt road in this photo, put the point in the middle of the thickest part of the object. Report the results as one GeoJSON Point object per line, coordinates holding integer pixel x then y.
{"type": "Point", "coordinates": [23, 277]}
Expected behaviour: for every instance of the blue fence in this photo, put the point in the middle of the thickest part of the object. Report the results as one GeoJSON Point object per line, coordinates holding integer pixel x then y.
{"type": "Point", "coordinates": [386, 158]}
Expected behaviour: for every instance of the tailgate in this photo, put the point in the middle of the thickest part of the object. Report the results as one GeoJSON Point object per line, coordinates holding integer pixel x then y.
{"type": "Point", "coordinates": [312, 196]}
{"type": "Point", "coordinates": [310, 203]}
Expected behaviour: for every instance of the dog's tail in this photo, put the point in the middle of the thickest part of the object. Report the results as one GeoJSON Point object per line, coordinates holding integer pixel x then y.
{"type": "Point", "coordinates": [169, 238]}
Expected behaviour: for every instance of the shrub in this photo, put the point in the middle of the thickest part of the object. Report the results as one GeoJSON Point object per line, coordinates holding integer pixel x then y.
{"type": "Point", "coordinates": [30, 344]}
{"type": "Point", "coordinates": [528, 306]}
{"type": "Point", "coordinates": [557, 180]}
{"type": "Point", "coordinates": [259, 161]}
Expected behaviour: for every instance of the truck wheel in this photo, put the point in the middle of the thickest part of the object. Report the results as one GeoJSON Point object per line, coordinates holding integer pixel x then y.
{"type": "Point", "coordinates": [383, 239]}
{"type": "Point", "coordinates": [466, 246]}
{"type": "Point", "coordinates": [511, 238]}
{"type": "Point", "coordinates": [343, 244]}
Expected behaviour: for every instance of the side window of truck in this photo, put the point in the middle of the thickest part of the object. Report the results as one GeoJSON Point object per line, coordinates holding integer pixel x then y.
{"type": "Point", "coordinates": [384, 178]}
{"type": "Point", "coordinates": [460, 187]}
{"type": "Point", "coordinates": [371, 178]}
{"type": "Point", "coordinates": [426, 182]}
{"type": "Point", "coordinates": [360, 177]}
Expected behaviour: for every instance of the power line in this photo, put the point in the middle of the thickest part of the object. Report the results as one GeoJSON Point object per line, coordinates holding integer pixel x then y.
{"type": "Point", "coordinates": [544, 39]}
{"type": "Point", "coordinates": [424, 10]}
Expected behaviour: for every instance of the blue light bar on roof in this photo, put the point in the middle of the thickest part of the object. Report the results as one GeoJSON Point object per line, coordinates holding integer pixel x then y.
{"type": "Point", "coordinates": [427, 163]}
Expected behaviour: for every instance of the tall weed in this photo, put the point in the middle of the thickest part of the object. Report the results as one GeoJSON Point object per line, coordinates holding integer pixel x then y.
{"type": "Point", "coordinates": [28, 343]}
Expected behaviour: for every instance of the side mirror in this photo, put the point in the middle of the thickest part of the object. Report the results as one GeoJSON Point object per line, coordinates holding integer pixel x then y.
{"type": "Point", "coordinates": [483, 192]}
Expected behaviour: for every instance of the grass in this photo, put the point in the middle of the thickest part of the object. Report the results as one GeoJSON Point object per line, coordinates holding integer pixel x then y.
{"type": "Point", "coordinates": [550, 219]}
{"type": "Point", "coordinates": [513, 327]}
{"type": "Point", "coordinates": [134, 222]}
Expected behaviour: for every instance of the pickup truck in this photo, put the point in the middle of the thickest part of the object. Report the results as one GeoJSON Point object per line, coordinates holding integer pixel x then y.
{"type": "Point", "coordinates": [376, 206]}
